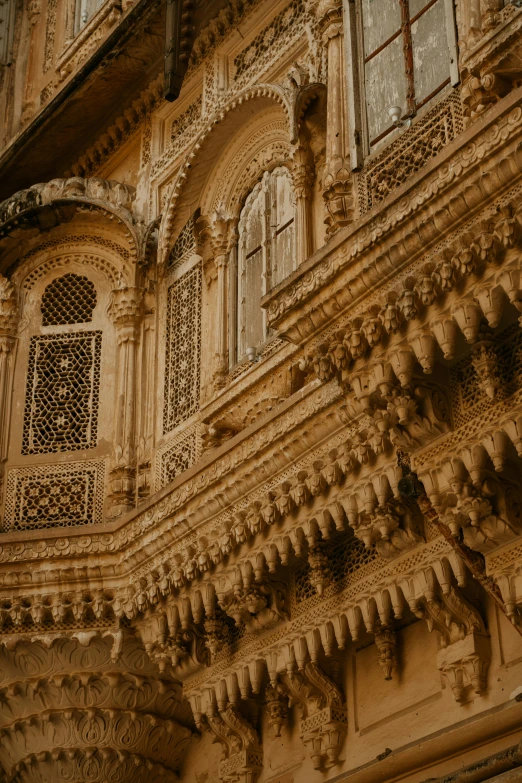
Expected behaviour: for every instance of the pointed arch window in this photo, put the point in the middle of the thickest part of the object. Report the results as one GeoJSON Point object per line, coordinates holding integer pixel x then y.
{"type": "Point", "coordinates": [266, 252]}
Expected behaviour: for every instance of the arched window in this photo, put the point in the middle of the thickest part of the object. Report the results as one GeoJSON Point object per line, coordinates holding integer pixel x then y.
{"type": "Point", "coordinates": [61, 434]}
{"type": "Point", "coordinates": [61, 406]}
{"type": "Point", "coordinates": [266, 252]}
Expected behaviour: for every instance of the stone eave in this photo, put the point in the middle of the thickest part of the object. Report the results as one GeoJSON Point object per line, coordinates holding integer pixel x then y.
{"type": "Point", "coordinates": [407, 223]}
{"type": "Point", "coordinates": [40, 151]}
{"type": "Point", "coordinates": [36, 153]}
{"type": "Point", "coordinates": [136, 538]}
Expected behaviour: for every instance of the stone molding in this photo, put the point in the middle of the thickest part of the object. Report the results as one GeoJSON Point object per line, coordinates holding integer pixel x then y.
{"type": "Point", "coordinates": [417, 217]}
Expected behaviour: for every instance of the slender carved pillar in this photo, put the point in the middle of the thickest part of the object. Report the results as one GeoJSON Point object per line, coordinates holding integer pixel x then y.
{"type": "Point", "coordinates": [8, 328]}
{"type": "Point", "coordinates": [28, 104]}
{"type": "Point", "coordinates": [303, 179]}
{"type": "Point", "coordinates": [221, 238]}
{"type": "Point", "coordinates": [146, 397]}
{"type": "Point", "coordinates": [338, 184]}
{"type": "Point", "coordinates": [126, 312]}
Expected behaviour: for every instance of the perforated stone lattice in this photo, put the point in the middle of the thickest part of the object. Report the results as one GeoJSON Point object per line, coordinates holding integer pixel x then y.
{"type": "Point", "coordinates": [54, 495]}
{"type": "Point", "coordinates": [346, 554]}
{"type": "Point", "coordinates": [467, 398]}
{"type": "Point", "coordinates": [70, 299]}
{"type": "Point", "coordinates": [62, 396]}
{"type": "Point", "coordinates": [179, 456]}
{"type": "Point", "coordinates": [185, 120]}
{"type": "Point", "coordinates": [410, 152]}
{"type": "Point", "coordinates": [183, 349]}
{"type": "Point", "coordinates": [283, 24]}
{"type": "Point", "coordinates": [184, 246]}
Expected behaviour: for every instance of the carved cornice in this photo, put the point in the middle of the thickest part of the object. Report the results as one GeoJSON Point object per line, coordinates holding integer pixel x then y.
{"type": "Point", "coordinates": [124, 127]}
{"type": "Point", "coordinates": [41, 206]}
{"type": "Point", "coordinates": [346, 271]}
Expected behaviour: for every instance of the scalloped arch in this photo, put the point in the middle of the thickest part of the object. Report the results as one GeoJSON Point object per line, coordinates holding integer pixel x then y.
{"type": "Point", "coordinates": [42, 207]}
{"type": "Point", "coordinates": [185, 191]}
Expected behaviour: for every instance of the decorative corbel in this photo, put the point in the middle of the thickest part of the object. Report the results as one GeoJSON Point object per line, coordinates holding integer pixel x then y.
{"type": "Point", "coordinates": [324, 718]}
{"type": "Point", "coordinates": [386, 643]}
{"type": "Point", "coordinates": [486, 509]}
{"type": "Point", "coordinates": [242, 756]}
{"type": "Point", "coordinates": [465, 652]}
{"type": "Point", "coordinates": [259, 606]}
{"type": "Point", "coordinates": [276, 707]}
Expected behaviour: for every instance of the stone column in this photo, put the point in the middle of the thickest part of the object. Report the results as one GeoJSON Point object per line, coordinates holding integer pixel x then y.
{"type": "Point", "coordinates": [29, 101]}
{"type": "Point", "coordinates": [8, 330]}
{"type": "Point", "coordinates": [221, 238]}
{"type": "Point", "coordinates": [126, 312]}
{"type": "Point", "coordinates": [338, 185]}
{"type": "Point", "coordinates": [303, 179]}
{"type": "Point", "coordinates": [147, 399]}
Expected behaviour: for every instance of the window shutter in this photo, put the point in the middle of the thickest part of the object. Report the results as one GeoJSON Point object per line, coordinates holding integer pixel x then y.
{"type": "Point", "coordinates": [353, 85]}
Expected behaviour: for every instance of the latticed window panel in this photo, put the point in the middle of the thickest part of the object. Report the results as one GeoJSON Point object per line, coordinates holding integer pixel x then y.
{"type": "Point", "coordinates": [70, 299]}
{"type": "Point", "coordinates": [62, 396]}
{"type": "Point", "coordinates": [184, 247]}
{"type": "Point", "coordinates": [346, 556]}
{"type": "Point", "coordinates": [179, 455]}
{"type": "Point", "coordinates": [415, 147]}
{"type": "Point", "coordinates": [183, 349]}
{"type": "Point", "coordinates": [181, 123]}
{"type": "Point", "coordinates": [55, 496]}
{"type": "Point", "coordinates": [468, 400]}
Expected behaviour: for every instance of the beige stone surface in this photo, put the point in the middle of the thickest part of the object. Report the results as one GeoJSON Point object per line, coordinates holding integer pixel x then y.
{"type": "Point", "coordinates": [260, 394]}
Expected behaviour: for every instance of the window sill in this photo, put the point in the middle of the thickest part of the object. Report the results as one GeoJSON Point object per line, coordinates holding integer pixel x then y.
{"type": "Point", "coordinates": [410, 148]}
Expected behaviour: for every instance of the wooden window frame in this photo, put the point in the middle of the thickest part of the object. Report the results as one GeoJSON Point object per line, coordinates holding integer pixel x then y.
{"type": "Point", "coordinates": [360, 144]}
{"type": "Point", "coordinates": [237, 269]}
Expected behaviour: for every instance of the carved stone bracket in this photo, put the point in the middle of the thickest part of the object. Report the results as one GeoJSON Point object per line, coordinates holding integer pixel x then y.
{"type": "Point", "coordinates": [465, 648]}
{"type": "Point", "coordinates": [492, 63]}
{"type": "Point", "coordinates": [261, 605]}
{"type": "Point", "coordinates": [472, 500]}
{"type": "Point", "coordinates": [323, 724]}
{"type": "Point", "coordinates": [242, 759]}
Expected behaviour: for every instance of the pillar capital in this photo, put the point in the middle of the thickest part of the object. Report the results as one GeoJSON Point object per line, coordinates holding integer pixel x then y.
{"type": "Point", "coordinates": [8, 308]}
{"type": "Point", "coordinates": [329, 14]}
{"type": "Point", "coordinates": [127, 306]}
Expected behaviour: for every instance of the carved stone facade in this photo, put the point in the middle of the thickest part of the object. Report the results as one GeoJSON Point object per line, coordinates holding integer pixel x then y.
{"type": "Point", "coordinates": [261, 393]}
